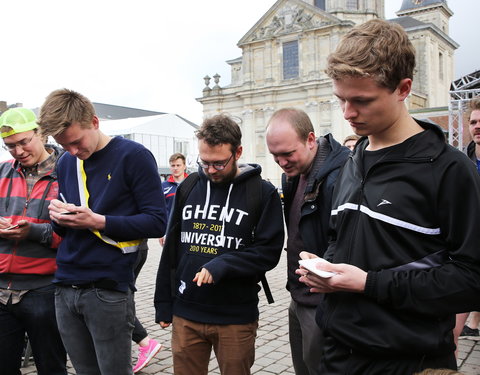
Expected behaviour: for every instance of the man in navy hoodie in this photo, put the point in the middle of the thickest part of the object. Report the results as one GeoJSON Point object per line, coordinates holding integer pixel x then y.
{"type": "Point", "coordinates": [221, 253]}
{"type": "Point", "coordinates": [115, 201]}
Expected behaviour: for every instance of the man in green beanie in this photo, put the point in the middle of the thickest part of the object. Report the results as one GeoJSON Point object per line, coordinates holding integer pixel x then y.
{"type": "Point", "coordinates": [28, 247]}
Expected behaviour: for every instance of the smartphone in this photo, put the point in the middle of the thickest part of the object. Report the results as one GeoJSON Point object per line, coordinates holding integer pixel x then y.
{"type": "Point", "coordinates": [68, 213]}
{"type": "Point", "coordinates": [12, 227]}
{"type": "Point", "coordinates": [309, 264]}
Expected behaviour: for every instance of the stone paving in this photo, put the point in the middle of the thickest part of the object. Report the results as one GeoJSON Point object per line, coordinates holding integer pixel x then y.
{"type": "Point", "coordinates": [272, 347]}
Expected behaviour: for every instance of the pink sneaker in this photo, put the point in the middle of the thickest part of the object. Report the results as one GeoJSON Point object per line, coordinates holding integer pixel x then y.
{"type": "Point", "coordinates": [146, 353]}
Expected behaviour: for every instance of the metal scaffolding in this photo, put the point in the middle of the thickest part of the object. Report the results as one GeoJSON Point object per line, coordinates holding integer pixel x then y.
{"type": "Point", "coordinates": [461, 92]}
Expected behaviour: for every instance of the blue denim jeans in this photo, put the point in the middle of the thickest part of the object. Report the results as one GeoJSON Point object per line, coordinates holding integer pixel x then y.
{"type": "Point", "coordinates": [34, 314]}
{"type": "Point", "coordinates": [96, 326]}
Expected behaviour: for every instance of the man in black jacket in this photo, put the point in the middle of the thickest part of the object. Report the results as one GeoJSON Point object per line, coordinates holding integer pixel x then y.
{"type": "Point", "coordinates": [406, 207]}
{"type": "Point", "coordinates": [311, 166]}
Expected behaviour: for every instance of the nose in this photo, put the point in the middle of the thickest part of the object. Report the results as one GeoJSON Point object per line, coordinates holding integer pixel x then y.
{"type": "Point", "coordinates": [349, 111]}
{"type": "Point", "coordinates": [281, 161]}
{"type": "Point", "coordinates": [72, 150]}
{"type": "Point", "coordinates": [211, 169]}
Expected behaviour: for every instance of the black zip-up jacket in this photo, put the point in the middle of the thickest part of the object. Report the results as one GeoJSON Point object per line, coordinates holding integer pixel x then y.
{"type": "Point", "coordinates": [315, 211]}
{"type": "Point", "coordinates": [411, 221]}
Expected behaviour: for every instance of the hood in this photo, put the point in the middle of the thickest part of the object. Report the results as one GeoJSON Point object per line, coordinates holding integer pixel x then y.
{"type": "Point", "coordinates": [336, 156]}
{"type": "Point", "coordinates": [426, 145]}
{"type": "Point", "coordinates": [245, 172]}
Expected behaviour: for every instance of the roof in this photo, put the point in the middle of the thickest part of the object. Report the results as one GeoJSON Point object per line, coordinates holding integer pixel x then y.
{"type": "Point", "coordinates": [412, 4]}
{"type": "Point", "coordinates": [162, 125]}
{"type": "Point", "coordinates": [115, 112]}
{"type": "Point", "coordinates": [411, 24]}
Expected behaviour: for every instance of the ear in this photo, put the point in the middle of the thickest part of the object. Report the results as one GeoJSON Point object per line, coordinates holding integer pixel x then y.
{"type": "Point", "coordinates": [95, 122]}
{"type": "Point", "coordinates": [404, 88]}
{"type": "Point", "coordinates": [238, 153]}
{"type": "Point", "coordinates": [311, 140]}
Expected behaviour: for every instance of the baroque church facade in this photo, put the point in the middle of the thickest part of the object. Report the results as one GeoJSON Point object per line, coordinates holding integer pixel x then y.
{"type": "Point", "coordinates": [284, 58]}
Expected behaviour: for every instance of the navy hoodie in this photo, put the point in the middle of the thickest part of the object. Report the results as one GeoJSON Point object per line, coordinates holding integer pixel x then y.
{"type": "Point", "coordinates": [216, 234]}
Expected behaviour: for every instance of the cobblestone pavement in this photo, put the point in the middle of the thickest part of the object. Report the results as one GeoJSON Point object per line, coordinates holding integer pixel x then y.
{"type": "Point", "coordinates": [272, 347]}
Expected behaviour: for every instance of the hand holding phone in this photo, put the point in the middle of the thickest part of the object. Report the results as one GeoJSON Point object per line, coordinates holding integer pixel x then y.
{"type": "Point", "coordinates": [310, 265]}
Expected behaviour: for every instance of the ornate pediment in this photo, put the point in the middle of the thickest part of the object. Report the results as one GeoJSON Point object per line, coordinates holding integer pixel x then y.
{"type": "Point", "coordinates": [286, 17]}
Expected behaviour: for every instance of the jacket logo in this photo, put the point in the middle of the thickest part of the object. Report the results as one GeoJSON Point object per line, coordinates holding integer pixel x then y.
{"type": "Point", "coordinates": [109, 177]}
{"type": "Point", "coordinates": [167, 190]}
{"type": "Point", "coordinates": [383, 201]}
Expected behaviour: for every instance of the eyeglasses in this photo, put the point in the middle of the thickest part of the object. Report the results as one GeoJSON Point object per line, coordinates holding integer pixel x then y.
{"type": "Point", "coordinates": [23, 143]}
{"type": "Point", "coordinates": [218, 165]}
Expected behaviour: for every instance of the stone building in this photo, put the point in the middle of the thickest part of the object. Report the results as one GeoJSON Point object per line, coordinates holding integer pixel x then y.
{"type": "Point", "coordinates": [284, 57]}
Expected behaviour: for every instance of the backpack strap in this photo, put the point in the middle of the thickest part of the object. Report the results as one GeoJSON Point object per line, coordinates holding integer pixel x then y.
{"type": "Point", "coordinates": [254, 204]}
{"type": "Point", "coordinates": [181, 195]}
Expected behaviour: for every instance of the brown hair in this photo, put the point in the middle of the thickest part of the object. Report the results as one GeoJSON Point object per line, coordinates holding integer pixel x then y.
{"type": "Point", "coordinates": [220, 129]}
{"type": "Point", "coordinates": [176, 156]}
{"type": "Point", "coordinates": [474, 105]}
{"type": "Point", "coordinates": [61, 109]}
{"type": "Point", "coordinates": [297, 118]}
{"type": "Point", "coordinates": [377, 49]}
{"type": "Point", "coordinates": [352, 137]}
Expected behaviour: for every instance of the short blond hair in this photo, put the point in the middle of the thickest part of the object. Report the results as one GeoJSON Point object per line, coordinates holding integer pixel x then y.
{"type": "Point", "coordinates": [61, 109]}
{"type": "Point", "coordinates": [176, 156]}
{"type": "Point", "coordinates": [377, 49]}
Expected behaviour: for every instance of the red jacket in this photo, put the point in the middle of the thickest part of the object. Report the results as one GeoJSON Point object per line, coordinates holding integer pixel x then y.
{"type": "Point", "coordinates": [30, 263]}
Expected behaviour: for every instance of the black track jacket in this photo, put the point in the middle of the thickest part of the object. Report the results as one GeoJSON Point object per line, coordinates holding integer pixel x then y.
{"type": "Point", "coordinates": [411, 221]}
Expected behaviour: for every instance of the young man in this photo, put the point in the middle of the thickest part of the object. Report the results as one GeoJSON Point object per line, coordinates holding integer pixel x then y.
{"type": "Point", "coordinates": [177, 167]}
{"type": "Point", "coordinates": [311, 166]}
{"type": "Point", "coordinates": [473, 152]}
{"type": "Point", "coordinates": [28, 248]}
{"type": "Point", "coordinates": [114, 200]}
{"type": "Point", "coordinates": [405, 208]}
{"type": "Point", "coordinates": [222, 249]}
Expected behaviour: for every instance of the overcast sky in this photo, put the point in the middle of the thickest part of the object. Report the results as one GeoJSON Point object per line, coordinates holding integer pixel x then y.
{"type": "Point", "coordinates": [149, 54]}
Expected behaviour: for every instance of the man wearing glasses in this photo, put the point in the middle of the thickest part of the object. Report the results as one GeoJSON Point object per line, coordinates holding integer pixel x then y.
{"type": "Point", "coordinates": [218, 260]}
{"type": "Point", "coordinates": [28, 247]}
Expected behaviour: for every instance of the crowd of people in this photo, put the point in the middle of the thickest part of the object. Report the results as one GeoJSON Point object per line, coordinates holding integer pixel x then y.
{"type": "Point", "coordinates": [388, 218]}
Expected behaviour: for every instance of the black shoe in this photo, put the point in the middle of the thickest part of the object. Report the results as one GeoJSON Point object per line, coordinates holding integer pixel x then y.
{"type": "Point", "coordinates": [469, 332]}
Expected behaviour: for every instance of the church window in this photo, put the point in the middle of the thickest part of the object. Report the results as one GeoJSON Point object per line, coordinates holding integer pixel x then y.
{"type": "Point", "coordinates": [320, 4]}
{"type": "Point", "coordinates": [290, 59]}
{"type": "Point", "coordinates": [352, 4]}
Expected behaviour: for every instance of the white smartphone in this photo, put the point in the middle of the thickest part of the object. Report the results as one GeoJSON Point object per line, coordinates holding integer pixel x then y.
{"type": "Point", "coordinates": [12, 227]}
{"type": "Point", "coordinates": [309, 264]}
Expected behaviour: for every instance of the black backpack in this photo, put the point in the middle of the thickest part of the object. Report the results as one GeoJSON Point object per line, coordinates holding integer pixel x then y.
{"type": "Point", "coordinates": [254, 199]}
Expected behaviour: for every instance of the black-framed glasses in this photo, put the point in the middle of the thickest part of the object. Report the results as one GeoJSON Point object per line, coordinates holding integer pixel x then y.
{"type": "Point", "coordinates": [24, 142]}
{"type": "Point", "coordinates": [218, 165]}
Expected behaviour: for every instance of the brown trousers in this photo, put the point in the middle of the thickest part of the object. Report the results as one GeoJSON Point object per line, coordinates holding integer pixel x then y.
{"type": "Point", "coordinates": [233, 344]}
